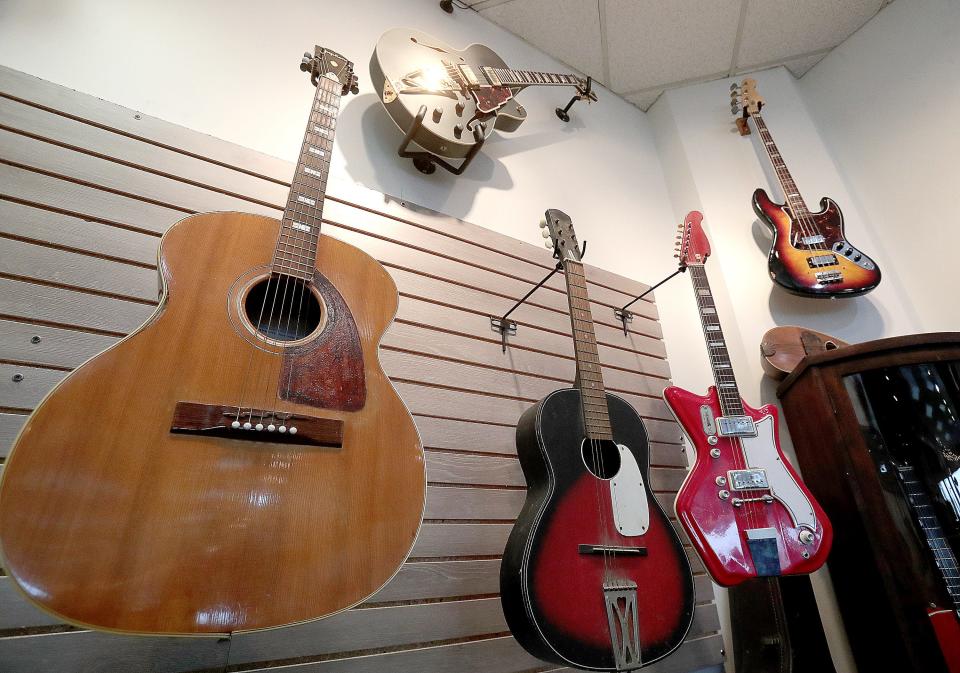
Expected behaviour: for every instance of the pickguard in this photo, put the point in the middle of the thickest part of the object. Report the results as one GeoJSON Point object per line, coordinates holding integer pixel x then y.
{"type": "Point", "coordinates": [761, 452]}
{"type": "Point", "coordinates": [628, 496]}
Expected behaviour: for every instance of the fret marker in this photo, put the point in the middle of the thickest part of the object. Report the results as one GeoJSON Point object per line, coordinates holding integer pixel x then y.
{"type": "Point", "coordinates": [709, 311]}
{"type": "Point", "coordinates": [713, 328]}
{"type": "Point", "coordinates": [728, 385]}
{"type": "Point", "coordinates": [316, 151]}
{"type": "Point", "coordinates": [715, 343]}
{"type": "Point", "coordinates": [307, 169]}
{"type": "Point", "coordinates": [301, 226]}
{"type": "Point", "coordinates": [304, 199]}
{"type": "Point", "coordinates": [703, 293]}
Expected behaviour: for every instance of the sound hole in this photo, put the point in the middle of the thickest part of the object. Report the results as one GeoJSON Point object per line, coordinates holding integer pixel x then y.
{"type": "Point", "coordinates": [282, 308]}
{"type": "Point", "coordinates": [601, 456]}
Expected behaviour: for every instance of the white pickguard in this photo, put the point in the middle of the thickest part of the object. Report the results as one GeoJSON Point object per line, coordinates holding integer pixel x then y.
{"type": "Point", "coordinates": [761, 451]}
{"type": "Point", "coordinates": [628, 495]}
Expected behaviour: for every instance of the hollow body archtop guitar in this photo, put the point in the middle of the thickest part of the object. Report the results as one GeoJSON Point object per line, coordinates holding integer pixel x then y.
{"type": "Point", "coordinates": [810, 255]}
{"type": "Point", "coordinates": [240, 461]}
{"type": "Point", "coordinates": [593, 576]}
{"type": "Point", "coordinates": [464, 92]}
{"type": "Point", "coordinates": [742, 504]}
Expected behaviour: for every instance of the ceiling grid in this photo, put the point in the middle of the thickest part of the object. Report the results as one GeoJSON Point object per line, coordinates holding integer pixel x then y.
{"type": "Point", "coordinates": [640, 48]}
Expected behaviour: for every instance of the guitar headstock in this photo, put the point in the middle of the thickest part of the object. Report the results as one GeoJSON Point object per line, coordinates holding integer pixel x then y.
{"type": "Point", "coordinates": [328, 63]}
{"type": "Point", "coordinates": [745, 102]}
{"type": "Point", "coordinates": [558, 230]}
{"type": "Point", "coordinates": [692, 244]}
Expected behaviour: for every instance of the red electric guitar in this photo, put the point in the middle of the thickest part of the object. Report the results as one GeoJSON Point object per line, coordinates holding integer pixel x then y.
{"type": "Point", "coordinates": [742, 504]}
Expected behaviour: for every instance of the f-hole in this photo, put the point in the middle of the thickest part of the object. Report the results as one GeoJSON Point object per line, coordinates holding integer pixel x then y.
{"type": "Point", "coordinates": [282, 308]}
{"type": "Point", "coordinates": [601, 457]}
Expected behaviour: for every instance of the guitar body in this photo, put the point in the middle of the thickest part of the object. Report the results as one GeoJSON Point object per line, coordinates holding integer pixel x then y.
{"type": "Point", "coordinates": [108, 519]}
{"type": "Point", "coordinates": [552, 592]}
{"type": "Point", "coordinates": [717, 527]}
{"type": "Point", "coordinates": [406, 59]}
{"type": "Point", "coordinates": [947, 628]}
{"type": "Point", "coordinates": [830, 267]}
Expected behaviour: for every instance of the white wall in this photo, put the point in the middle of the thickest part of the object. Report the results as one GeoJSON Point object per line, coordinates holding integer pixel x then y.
{"type": "Point", "coordinates": [887, 104]}
{"type": "Point", "coordinates": [230, 69]}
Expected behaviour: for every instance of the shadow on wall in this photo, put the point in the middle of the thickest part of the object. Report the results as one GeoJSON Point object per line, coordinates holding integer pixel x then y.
{"type": "Point", "coordinates": [364, 123]}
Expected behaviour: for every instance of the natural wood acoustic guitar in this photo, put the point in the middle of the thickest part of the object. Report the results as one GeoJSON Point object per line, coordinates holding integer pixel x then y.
{"type": "Point", "coordinates": [241, 461]}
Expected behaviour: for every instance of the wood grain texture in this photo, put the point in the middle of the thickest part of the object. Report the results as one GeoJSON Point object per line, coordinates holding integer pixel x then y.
{"type": "Point", "coordinates": [95, 188]}
{"type": "Point", "coordinates": [295, 506]}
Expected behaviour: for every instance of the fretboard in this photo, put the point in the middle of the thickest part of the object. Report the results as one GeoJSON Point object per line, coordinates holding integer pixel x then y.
{"type": "Point", "coordinates": [296, 251]}
{"type": "Point", "coordinates": [529, 77]}
{"type": "Point", "coordinates": [787, 184]}
{"type": "Point", "coordinates": [596, 417]}
{"type": "Point", "coordinates": [726, 382]}
{"type": "Point", "coordinates": [926, 517]}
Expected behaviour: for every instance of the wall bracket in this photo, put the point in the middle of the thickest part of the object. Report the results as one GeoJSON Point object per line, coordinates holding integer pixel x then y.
{"type": "Point", "coordinates": [427, 162]}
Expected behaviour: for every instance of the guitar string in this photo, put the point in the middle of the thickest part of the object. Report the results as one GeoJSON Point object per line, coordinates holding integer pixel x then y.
{"type": "Point", "coordinates": [806, 222]}
{"type": "Point", "coordinates": [331, 99]}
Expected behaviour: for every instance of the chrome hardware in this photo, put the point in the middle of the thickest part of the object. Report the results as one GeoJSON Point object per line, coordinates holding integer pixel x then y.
{"type": "Point", "coordinates": [806, 537]}
{"type": "Point", "coordinates": [458, 108]}
{"type": "Point", "coordinates": [829, 277]}
{"type": "Point", "coordinates": [620, 598]}
{"type": "Point", "coordinates": [712, 440]}
{"type": "Point", "coordinates": [437, 113]}
{"type": "Point", "coordinates": [714, 453]}
{"type": "Point", "coordinates": [35, 339]}
{"type": "Point", "coordinates": [17, 378]}
{"type": "Point", "coordinates": [745, 480]}
{"type": "Point", "coordinates": [721, 481]}
{"type": "Point", "coordinates": [766, 499]}
{"type": "Point", "coordinates": [458, 131]}
{"type": "Point", "coordinates": [706, 417]}
{"type": "Point", "coordinates": [736, 426]}
{"type": "Point", "coordinates": [805, 554]}
{"type": "Point", "coordinates": [724, 494]}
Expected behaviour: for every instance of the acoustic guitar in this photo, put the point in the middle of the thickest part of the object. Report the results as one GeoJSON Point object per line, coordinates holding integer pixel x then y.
{"type": "Point", "coordinates": [810, 255]}
{"type": "Point", "coordinates": [743, 505]}
{"type": "Point", "coordinates": [463, 90]}
{"type": "Point", "coordinates": [593, 576]}
{"type": "Point", "coordinates": [240, 461]}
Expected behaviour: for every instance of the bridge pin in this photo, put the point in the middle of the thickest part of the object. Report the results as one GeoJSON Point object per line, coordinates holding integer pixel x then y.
{"type": "Point", "coordinates": [235, 425]}
{"type": "Point", "coordinates": [259, 426]}
{"type": "Point", "coordinates": [271, 427]}
{"type": "Point", "coordinates": [247, 425]}
{"type": "Point", "coordinates": [282, 428]}
{"type": "Point", "coordinates": [293, 429]}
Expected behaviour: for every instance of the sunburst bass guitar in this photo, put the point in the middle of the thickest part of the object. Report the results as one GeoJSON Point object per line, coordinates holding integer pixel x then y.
{"type": "Point", "coordinates": [241, 461]}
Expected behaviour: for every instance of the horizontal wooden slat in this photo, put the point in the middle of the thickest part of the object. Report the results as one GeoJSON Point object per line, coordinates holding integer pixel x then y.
{"type": "Point", "coordinates": [452, 468]}
{"type": "Point", "coordinates": [10, 425]}
{"type": "Point", "coordinates": [59, 194]}
{"type": "Point", "coordinates": [39, 224]}
{"type": "Point", "coordinates": [372, 627]}
{"type": "Point", "coordinates": [25, 394]}
{"type": "Point", "coordinates": [56, 347]}
{"type": "Point", "coordinates": [85, 137]}
{"type": "Point", "coordinates": [16, 612]}
{"type": "Point", "coordinates": [477, 656]}
{"type": "Point", "coordinates": [19, 258]}
{"type": "Point", "coordinates": [20, 299]}
{"type": "Point", "coordinates": [439, 579]}
{"type": "Point", "coordinates": [123, 120]}
{"type": "Point", "coordinates": [461, 539]}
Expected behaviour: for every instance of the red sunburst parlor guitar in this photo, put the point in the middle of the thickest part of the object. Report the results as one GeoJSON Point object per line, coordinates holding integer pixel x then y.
{"type": "Point", "coordinates": [742, 504]}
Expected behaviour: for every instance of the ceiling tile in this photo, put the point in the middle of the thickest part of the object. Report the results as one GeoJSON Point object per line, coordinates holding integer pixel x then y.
{"type": "Point", "coordinates": [800, 66]}
{"type": "Point", "coordinates": [779, 29]}
{"type": "Point", "coordinates": [653, 42]}
{"type": "Point", "coordinates": [645, 99]}
{"type": "Point", "coordinates": [568, 30]}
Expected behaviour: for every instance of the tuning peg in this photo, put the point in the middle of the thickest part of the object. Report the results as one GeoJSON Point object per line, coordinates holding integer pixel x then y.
{"type": "Point", "coordinates": [548, 245]}
{"type": "Point", "coordinates": [354, 86]}
{"type": "Point", "coordinates": [305, 61]}
{"type": "Point", "coordinates": [545, 233]}
{"type": "Point", "coordinates": [734, 86]}
{"type": "Point", "coordinates": [543, 223]}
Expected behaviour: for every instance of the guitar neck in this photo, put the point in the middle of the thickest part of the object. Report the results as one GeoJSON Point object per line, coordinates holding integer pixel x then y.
{"type": "Point", "coordinates": [512, 77]}
{"type": "Point", "coordinates": [596, 418]}
{"type": "Point", "coordinates": [790, 191]}
{"type": "Point", "coordinates": [926, 517]}
{"type": "Point", "coordinates": [726, 382]}
{"type": "Point", "coordinates": [296, 251]}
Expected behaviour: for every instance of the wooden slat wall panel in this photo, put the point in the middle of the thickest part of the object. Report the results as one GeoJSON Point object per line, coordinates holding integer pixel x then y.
{"type": "Point", "coordinates": [86, 190]}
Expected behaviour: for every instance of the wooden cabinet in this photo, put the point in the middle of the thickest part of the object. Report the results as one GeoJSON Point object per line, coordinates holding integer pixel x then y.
{"type": "Point", "coordinates": [857, 416]}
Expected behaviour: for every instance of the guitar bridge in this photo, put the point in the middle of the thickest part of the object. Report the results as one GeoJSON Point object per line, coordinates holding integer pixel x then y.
{"type": "Point", "coordinates": [620, 598]}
